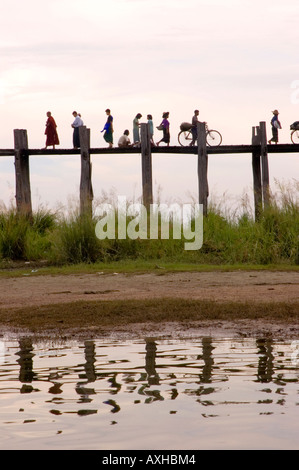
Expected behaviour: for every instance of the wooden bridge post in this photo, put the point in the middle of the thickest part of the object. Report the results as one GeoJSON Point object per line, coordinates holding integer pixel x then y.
{"type": "Point", "coordinates": [256, 172]}
{"type": "Point", "coordinates": [86, 192]}
{"type": "Point", "coordinates": [202, 167]}
{"type": "Point", "coordinates": [23, 191]}
{"type": "Point", "coordinates": [265, 164]}
{"type": "Point", "coordinates": [146, 165]}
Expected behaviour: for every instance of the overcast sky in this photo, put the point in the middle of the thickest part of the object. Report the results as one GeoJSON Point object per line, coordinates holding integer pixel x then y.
{"type": "Point", "coordinates": [235, 61]}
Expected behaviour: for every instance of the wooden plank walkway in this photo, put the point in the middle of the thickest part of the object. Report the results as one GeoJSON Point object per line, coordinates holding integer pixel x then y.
{"type": "Point", "coordinates": [259, 150]}
{"type": "Point", "coordinates": [221, 150]}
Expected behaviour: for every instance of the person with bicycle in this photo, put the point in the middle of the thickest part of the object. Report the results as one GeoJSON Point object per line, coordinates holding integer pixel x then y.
{"type": "Point", "coordinates": [188, 132]}
{"type": "Point", "coordinates": [194, 127]}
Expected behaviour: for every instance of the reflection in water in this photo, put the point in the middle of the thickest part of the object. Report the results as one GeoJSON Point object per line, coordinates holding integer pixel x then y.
{"type": "Point", "coordinates": [89, 374]}
{"type": "Point", "coordinates": [90, 359]}
{"type": "Point", "coordinates": [151, 377]}
{"type": "Point", "coordinates": [207, 369]}
{"type": "Point", "coordinates": [26, 364]}
{"type": "Point", "coordinates": [150, 363]}
{"type": "Point", "coordinates": [265, 370]}
{"type": "Point", "coordinates": [96, 378]}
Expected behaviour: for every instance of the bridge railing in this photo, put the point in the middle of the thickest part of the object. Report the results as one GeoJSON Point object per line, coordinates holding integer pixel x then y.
{"type": "Point", "coordinates": [258, 149]}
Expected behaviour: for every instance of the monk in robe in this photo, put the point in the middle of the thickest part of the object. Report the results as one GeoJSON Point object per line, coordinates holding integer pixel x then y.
{"type": "Point", "coordinates": [51, 132]}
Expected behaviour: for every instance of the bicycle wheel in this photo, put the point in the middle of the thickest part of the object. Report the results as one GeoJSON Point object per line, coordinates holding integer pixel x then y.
{"type": "Point", "coordinates": [214, 138]}
{"type": "Point", "coordinates": [295, 137]}
{"type": "Point", "coordinates": [185, 138]}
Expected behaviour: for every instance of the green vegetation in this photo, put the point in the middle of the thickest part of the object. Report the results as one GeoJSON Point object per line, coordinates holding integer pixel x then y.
{"type": "Point", "coordinates": [57, 240]}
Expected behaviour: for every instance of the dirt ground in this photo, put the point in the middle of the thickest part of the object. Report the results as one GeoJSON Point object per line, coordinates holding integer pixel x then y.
{"type": "Point", "coordinates": [220, 287]}
{"type": "Point", "coordinates": [237, 286]}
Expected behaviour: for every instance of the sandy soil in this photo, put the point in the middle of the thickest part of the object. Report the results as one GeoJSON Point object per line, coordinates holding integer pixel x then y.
{"type": "Point", "coordinates": [240, 286]}
{"type": "Point", "coordinates": [237, 286]}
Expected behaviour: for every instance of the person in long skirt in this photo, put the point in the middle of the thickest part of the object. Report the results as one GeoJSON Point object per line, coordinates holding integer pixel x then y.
{"type": "Point", "coordinates": [166, 133]}
{"type": "Point", "coordinates": [275, 123]}
{"type": "Point", "coordinates": [136, 129]}
{"type": "Point", "coordinates": [75, 125]}
{"type": "Point", "coordinates": [51, 131]}
{"type": "Point", "coordinates": [151, 128]}
{"type": "Point", "coordinates": [108, 129]}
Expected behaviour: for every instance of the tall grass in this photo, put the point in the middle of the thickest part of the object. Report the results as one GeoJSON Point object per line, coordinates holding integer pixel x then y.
{"type": "Point", "coordinates": [228, 238]}
{"type": "Point", "coordinates": [74, 241]}
{"type": "Point", "coordinates": [274, 238]}
{"type": "Point", "coordinates": [24, 238]}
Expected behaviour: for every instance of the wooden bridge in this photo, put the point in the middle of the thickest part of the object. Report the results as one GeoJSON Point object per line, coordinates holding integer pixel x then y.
{"type": "Point", "coordinates": [259, 149]}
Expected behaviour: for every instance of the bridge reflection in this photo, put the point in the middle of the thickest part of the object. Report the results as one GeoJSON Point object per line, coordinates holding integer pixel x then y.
{"type": "Point", "coordinates": [164, 374]}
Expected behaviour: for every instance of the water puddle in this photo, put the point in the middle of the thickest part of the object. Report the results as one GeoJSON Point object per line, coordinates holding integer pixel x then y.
{"type": "Point", "coordinates": [204, 393]}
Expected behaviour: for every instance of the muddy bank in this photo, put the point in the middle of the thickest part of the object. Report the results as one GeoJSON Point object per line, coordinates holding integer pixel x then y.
{"type": "Point", "coordinates": [187, 304]}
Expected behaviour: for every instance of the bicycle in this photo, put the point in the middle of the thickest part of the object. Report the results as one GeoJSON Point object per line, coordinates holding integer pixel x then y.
{"type": "Point", "coordinates": [295, 132]}
{"type": "Point", "coordinates": [213, 137]}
